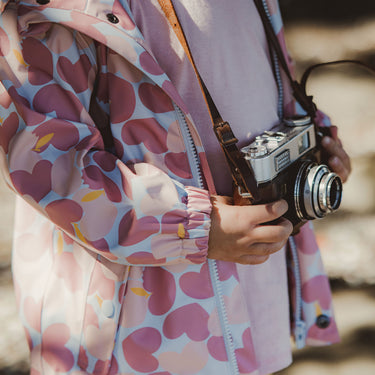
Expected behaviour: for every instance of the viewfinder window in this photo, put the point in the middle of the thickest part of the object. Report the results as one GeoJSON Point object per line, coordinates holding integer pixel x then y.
{"type": "Point", "coordinates": [303, 143]}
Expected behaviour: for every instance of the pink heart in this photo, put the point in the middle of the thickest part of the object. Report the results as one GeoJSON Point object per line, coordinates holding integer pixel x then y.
{"type": "Point", "coordinates": [39, 58]}
{"type": "Point", "coordinates": [317, 289]}
{"type": "Point", "coordinates": [24, 110]}
{"type": "Point", "coordinates": [75, 74]}
{"type": "Point", "coordinates": [192, 359]}
{"type": "Point", "coordinates": [52, 97]}
{"type": "Point", "coordinates": [143, 257]}
{"type": "Point", "coordinates": [149, 64]}
{"type": "Point", "coordinates": [100, 349]}
{"type": "Point", "coordinates": [178, 163]}
{"type": "Point", "coordinates": [64, 212]}
{"type": "Point", "coordinates": [306, 240]}
{"type": "Point", "coordinates": [54, 352]}
{"type": "Point", "coordinates": [246, 355]}
{"type": "Point", "coordinates": [133, 230]}
{"type": "Point", "coordinates": [154, 98]}
{"type": "Point", "coordinates": [157, 281]}
{"type": "Point", "coordinates": [7, 130]}
{"type": "Point", "coordinates": [197, 284]}
{"type": "Point", "coordinates": [96, 179]}
{"type": "Point", "coordinates": [216, 348]}
{"type": "Point", "coordinates": [226, 270]}
{"type": "Point", "coordinates": [147, 131]}
{"type": "Point", "coordinates": [105, 161]}
{"type": "Point", "coordinates": [139, 347]}
{"type": "Point", "coordinates": [121, 110]}
{"type": "Point", "coordinates": [37, 184]}
{"type": "Point", "coordinates": [190, 319]}
{"type": "Point", "coordinates": [63, 134]}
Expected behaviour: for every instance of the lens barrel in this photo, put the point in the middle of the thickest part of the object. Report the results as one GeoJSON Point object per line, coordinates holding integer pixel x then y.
{"type": "Point", "coordinates": [317, 191]}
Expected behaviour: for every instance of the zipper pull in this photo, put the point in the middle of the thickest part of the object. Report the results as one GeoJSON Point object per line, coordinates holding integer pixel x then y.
{"type": "Point", "coordinates": [300, 334]}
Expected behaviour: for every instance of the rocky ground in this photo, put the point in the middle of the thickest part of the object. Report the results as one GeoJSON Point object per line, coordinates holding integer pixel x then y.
{"type": "Point", "coordinates": [347, 238]}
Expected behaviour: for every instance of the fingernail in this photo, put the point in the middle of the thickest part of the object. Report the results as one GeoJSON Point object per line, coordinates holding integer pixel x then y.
{"type": "Point", "coordinates": [282, 205]}
{"type": "Point", "coordinates": [326, 141]}
{"type": "Point", "coordinates": [335, 161]}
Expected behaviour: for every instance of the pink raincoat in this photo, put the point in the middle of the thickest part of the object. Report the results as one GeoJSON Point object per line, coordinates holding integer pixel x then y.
{"type": "Point", "coordinates": [110, 253]}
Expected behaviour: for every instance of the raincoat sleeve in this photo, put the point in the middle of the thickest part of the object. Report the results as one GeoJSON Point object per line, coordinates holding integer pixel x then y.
{"type": "Point", "coordinates": [53, 156]}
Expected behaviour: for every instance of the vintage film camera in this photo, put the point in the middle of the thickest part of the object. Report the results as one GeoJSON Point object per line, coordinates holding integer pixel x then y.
{"type": "Point", "coordinates": [286, 164]}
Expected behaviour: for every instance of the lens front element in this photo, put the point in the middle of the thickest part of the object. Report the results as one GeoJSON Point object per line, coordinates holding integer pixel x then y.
{"type": "Point", "coordinates": [317, 191]}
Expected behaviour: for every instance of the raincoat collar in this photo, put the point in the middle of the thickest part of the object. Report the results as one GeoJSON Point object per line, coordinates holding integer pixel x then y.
{"type": "Point", "coordinates": [93, 21]}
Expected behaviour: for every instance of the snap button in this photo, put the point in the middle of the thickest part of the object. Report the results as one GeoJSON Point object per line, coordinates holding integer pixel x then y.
{"type": "Point", "coordinates": [108, 309]}
{"type": "Point", "coordinates": [323, 321]}
{"type": "Point", "coordinates": [112, 18]}
{"type": "Point", "coordinates": [42, 2]}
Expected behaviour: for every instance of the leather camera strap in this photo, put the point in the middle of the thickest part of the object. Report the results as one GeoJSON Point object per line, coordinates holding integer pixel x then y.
{"type": "Point", "coordinates": [299, 91]}
{"type": "Point", "coordinates": [242, 173]}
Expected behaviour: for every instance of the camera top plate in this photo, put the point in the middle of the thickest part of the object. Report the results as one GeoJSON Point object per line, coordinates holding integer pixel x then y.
{"type": "Point", "coordinates": [274, 150]}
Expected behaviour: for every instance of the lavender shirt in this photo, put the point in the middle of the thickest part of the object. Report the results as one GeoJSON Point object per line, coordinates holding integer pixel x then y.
{"type": "Point", "coordinates": [231, 53]}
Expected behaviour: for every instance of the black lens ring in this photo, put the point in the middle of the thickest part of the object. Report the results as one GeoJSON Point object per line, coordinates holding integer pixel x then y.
{"type": "Point", "coordinates": [299, 188]}
{"type": "Point", "coordinates": [334, 181]}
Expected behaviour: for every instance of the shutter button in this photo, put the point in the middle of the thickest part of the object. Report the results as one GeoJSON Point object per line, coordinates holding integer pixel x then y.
{"type": "Point", "coordinates": [108, 309]}
{"type": "Point", "coordinates": [323, 321]}
{"type": "Point", "coordinates": [112, 18]}
{"type": "Point", "coordinates": [42, 2]}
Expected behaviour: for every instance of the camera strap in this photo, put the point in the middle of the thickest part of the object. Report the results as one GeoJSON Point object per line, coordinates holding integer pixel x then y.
{"type": "Point", "coordinates": [242, 173]}
{"type": "Point", "coordinates": [298, 90]}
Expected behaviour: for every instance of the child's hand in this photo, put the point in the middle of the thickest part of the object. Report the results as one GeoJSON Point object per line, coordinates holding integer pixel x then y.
{"type": "Point", "coordinates": [338, 159]}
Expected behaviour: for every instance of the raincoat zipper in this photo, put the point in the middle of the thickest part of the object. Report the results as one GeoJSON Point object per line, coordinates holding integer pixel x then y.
{"type": "Point", "coordinates": [300, 325]}
{"type": "Point", "coordinates": [190, 147]}
{"type": "Point", "coordinates": [197, 176]}
{"type": "Point", "coordinates": [228, 340]}
{"type": "Point", "coordinates": [280, 88]}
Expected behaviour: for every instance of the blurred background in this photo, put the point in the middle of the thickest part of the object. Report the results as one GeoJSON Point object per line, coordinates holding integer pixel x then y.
{"type": "Point", "coordinates": [316, 31]}
{"type": "Point", "coordinates": [325, 30]}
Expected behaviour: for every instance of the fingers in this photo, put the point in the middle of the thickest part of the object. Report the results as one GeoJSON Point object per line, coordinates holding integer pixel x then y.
{"type": "Point", "coordinates": [273, 233]}
{"type": "Point", "coordinates": [338, 161]}
{"type": "Point", "coordinates": [260, 252]}
{"type": "Point", "coordinates": [264, 241]}
{"type": "Point", "coordinates": [253, 259]}
{"type": "Point", "coordinates": [264, 213]}
{"type": "Point", "coordinates": [238, 233]}
{"type": "Point", "coordinates": [339, 167]}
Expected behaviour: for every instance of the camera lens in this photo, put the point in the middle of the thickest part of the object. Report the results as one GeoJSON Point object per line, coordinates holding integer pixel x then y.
{"type": "Point", "coordinates": [317, 191]}
{"type": "Point", "coordinates": [330, 192]}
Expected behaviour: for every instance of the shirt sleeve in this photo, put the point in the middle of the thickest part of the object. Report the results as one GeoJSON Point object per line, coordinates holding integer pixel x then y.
{"type": "Point", "coordinates": [53, 155]}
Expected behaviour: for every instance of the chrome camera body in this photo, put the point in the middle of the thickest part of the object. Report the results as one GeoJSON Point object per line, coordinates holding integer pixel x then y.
{"type": "Point", "coordinates": [286, 164]}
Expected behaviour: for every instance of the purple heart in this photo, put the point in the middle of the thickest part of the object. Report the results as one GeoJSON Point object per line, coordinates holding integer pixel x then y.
{"type": "Point", "coordinates": [190, 319]}
{"type": "Point", "coordinates": [197, 284]}
{"type": "Point", "coordinates": [37, 184]}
